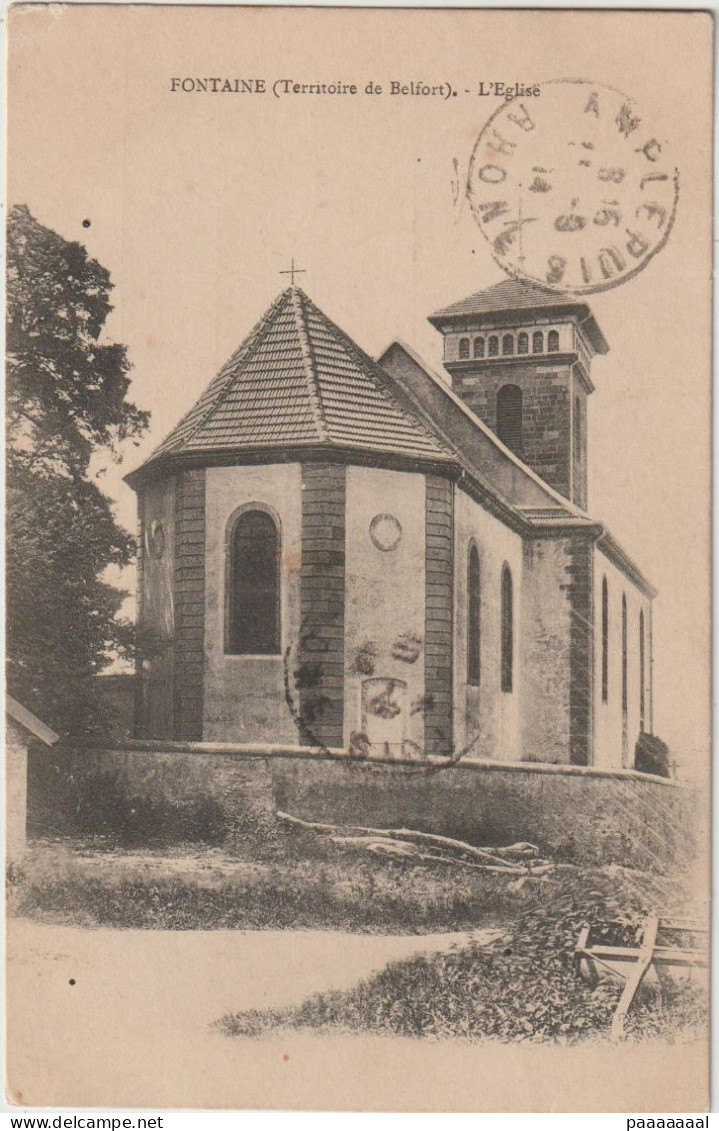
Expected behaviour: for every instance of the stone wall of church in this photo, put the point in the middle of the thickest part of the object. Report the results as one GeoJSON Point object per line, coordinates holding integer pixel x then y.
{"type": "Point", "coordinates": [439, 616]}
{"type": "Point", "coordinates": [557, 650]}
{"type": "Point", "coordinates": [189, 601]}
{"type": "Point", "coordinates": [385, 648]}
{"type": "Point", "coordinates": [157, 554]}
{"type": "Point", "coordinates": [546, 417]}
{"type": "Point", "coordinates": [318, 680]}
{"type": "Point", "coordinates": [616, 731]}
{"type": "Point", "coordinates": [547, 685]}
{"type": "Point", "coordinates": [487, 719]}
{"type": "Point", "coordinates": [155, 609]}
{"type": "Point", "coordinates": [579, 431]}
{"type": "Point", "coordinates": [244, 696]}
{"type": "Point", "coordinates": [579, 586]}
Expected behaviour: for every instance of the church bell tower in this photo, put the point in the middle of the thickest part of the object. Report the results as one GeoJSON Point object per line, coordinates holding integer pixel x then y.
{"type": "Point", "coordinates": [520, 358]}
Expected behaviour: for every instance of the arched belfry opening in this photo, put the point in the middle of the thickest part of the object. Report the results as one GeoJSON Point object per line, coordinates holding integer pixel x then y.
{"type": "Point", "coordinates": [509, 417]}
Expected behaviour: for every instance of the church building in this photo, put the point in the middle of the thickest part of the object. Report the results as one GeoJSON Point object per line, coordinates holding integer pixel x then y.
{"type": "Point", "coordinates": [365, 556]}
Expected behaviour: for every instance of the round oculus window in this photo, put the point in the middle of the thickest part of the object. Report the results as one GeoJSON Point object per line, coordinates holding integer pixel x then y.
{"type": "Point", "coordinates": [385, 532]}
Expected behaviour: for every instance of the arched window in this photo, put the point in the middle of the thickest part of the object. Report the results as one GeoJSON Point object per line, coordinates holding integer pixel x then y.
{"type": "Point", "coordinates": [507, 642]}
{"type": "Point", "coordinates": [642, 671]}
{"type": "Point", "coordinates": [625, 689]}
{"type": "Point", "coordinates": [473, 616]}
{"type": "Point", "coordinates": [523, 343]}
{"type": "Point", "coordinates": [253, 586]}
{"type": "Point", "coordinates": [479, 347]}
{"type": "Point", "coordinates": [553, 341]}
{"type": "Point", "coordinates": [493, 346]}
{"type": "Point", "coordinates": [463, 348]}
{"type": "Point", "coordinates": [577, 428]}
{"type": "Point", "coordinates": [509, 417]}
{"type": "Point", "coordinates": [538, 342]}
{"type": "Point", "coordinates": [507, 344]}
{"type": "Point", "coordinates": [605, 641]}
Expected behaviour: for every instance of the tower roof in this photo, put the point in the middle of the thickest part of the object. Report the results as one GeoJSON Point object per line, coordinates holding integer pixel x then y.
{"type": "Point", "coordinates": [298, 380]}
{"type": "Point", "coordinates": [513, 295]}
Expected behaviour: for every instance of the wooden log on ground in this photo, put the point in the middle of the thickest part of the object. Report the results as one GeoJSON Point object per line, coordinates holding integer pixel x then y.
{"type": "Point", "coordinates": [523, 849]}
{"type": "Point", "coordinates": [483, 854]}
{"type": "Point", "coordinates": [386, 846]}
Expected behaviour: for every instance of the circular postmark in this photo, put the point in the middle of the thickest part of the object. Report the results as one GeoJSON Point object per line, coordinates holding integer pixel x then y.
{"type": "Point", "coordinates": [572, 189]}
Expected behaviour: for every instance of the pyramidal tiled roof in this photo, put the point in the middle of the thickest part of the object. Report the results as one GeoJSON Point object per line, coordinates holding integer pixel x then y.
{"type": "Point", "coordinates": [298, 379]}
{"type": "Point", "coordinates": [514, 294]}
{"type": "Point", "coordinates": [511, 294]}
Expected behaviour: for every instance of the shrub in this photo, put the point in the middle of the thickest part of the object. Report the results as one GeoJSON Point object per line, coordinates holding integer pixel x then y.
{"type": "Point", "coordinates": [651, 755]}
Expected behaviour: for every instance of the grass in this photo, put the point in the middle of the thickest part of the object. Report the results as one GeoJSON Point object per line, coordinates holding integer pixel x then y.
{"type": "Point", "coordinates": [302, 884]}
{"type": "Point", "coordinates": [522, 988]}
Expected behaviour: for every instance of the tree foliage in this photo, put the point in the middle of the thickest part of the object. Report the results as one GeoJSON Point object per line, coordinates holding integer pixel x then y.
{"type": "Point", "coordinates": [66, 405]}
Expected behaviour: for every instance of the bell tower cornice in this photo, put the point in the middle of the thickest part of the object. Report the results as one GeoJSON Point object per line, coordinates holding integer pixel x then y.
{"type": "Point", "coordinates": [548, 363]}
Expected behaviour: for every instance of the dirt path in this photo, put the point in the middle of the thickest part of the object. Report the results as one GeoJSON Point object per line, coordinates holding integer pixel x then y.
{"type": "Point", "coordinates": [96, 993]}
{"type": "Point", "coordinates": [134, 1031]}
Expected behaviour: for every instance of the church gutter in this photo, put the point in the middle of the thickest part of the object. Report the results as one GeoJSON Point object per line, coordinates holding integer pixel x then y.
{"type": "Point", "coordinates": [455, 469]}
{"type": "Point", "coordinates": [328, 451]}
{"type": "Point", "coordinates": [609, 546]}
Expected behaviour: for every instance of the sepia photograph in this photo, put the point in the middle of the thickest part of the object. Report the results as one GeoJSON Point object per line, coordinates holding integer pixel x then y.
{"type": "Point", "coordinates": [358, 558]}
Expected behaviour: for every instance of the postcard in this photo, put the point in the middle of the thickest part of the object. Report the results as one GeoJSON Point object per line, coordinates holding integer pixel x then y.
{"type": "Point", "coordinates": [358, 558]}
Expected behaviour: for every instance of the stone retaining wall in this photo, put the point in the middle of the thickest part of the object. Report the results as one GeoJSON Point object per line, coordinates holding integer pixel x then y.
{"type": "Point", "coordinates": [220, 794]}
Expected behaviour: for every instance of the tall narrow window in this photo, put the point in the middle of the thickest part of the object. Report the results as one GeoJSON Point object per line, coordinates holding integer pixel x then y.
{"type": "Point", "coordinates": [509, 417]}
{"type": "Point", "coordinates": [625, 689]}
{"type": "Point", "coordinates": [507, 344]}
{"type": "Point", "coordinates": [538, 342]}
{"type": "Point", "coordinates": [253, 615]}
{"type": "Point", "coordinates": [552, 341]}
{"type": "Point", "coordinates": [605, 641]}
{"type": "Point", "coordinates": [463, 348]}
{"type": "Point", "coordinates": [507, 642]}
{"type": "Point", "coordinates": [473, 616]}
{"type": "Point", "coordinates": [493, 346]}
{"type": "Point", "coordinates": [522, 343]}
{"type": "Point", "coordinates": [479, 347]}
{"type": "Point", "coordinates": [642, 671]}
{"type": "Point", "coordinates": [577, 429]}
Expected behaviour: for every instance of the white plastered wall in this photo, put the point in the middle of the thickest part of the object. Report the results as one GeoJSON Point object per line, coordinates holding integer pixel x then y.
{"type": "Point", "coordinates": [608, 717]}
{"type": "Point", "coordinates": [244, 698]}
{"type": "Point", "coordinates": [486, 720]}
{"type": "Point", "coordinates": [385, 595]}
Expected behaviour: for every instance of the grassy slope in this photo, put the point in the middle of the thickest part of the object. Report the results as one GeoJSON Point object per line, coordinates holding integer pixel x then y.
{"type": "Point", "coordinates": [297, 883]}
{"type": "Point", "coordinates": [522, 988]}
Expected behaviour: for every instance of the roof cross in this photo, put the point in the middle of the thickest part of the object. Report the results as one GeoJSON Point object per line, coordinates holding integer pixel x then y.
{"type": "Point", "coordinates": [293, 271]}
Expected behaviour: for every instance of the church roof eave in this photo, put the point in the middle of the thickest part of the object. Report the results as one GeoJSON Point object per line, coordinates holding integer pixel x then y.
{"type": "Point", "coordinates": [609, 546]}
{"type": "Point", "coordinates": [290, 453]}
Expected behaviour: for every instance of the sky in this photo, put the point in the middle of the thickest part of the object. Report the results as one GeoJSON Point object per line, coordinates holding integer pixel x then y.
{"type": "Point", "coordinates": [197, 203]}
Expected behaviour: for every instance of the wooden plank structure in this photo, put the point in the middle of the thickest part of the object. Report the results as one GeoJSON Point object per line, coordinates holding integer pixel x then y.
{"type": "Point", "coordinates": [659, 944]}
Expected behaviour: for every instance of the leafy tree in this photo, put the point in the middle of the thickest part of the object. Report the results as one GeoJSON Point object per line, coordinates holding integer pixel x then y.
{"type": "Point", "coordinates": [66, 404]}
